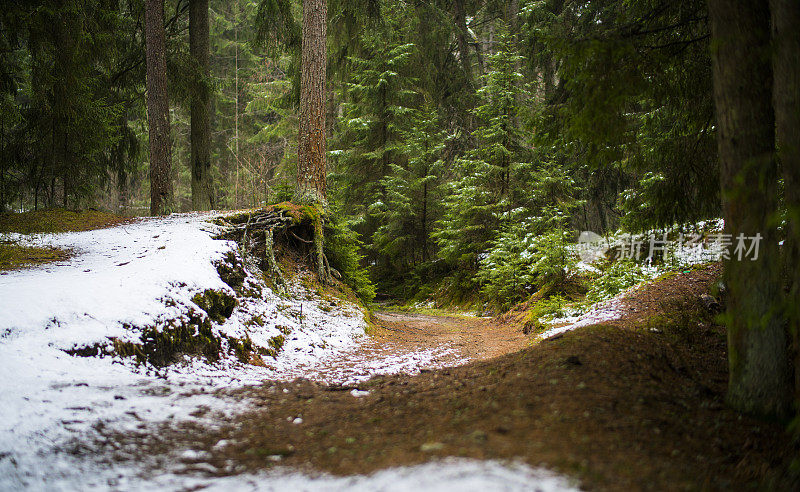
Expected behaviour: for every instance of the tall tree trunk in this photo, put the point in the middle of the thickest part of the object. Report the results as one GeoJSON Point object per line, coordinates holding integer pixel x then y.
{"type": "Point", "coordinates": [786, 97]}
{"type": "Point", "coordinates": [236, 101]}
{"type": "Point", "coordinates": [760, 378]}
{"type": "Point", "coordinates": [158, 109]}
{"type": "Point", "coordinates": [460, 19]}
{"type": "Point", "coordinates": [202, 191]}
{"type": "Point", "coordinates": [312, 138]}
{"type": "Point", "coordinates": [312, 142]}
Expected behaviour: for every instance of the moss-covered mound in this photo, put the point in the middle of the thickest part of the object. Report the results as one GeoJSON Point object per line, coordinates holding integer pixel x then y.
{"type": "Point", "coordinates": [217, 304]}
{"type": "Point", "coordinates": [13, 256]}
{"type": "Point", "coordinates": [57, 220]}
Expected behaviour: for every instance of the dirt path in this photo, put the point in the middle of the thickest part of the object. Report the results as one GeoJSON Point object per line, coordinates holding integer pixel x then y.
{"type": "Point", "coordinates": [412, 343]}
{"type": "Point", "coordinates": [471, 338]}
{"type": "Point", "coordinates": [618, 405]}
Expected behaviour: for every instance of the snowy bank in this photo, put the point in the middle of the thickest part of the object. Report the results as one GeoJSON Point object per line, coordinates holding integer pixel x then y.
{"type": "Point", "coordinates": [121, 281]}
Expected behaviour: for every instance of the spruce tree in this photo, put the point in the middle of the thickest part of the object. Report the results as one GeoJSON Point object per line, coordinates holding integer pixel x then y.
{"type": "Point", "coordinates": [480, 201]}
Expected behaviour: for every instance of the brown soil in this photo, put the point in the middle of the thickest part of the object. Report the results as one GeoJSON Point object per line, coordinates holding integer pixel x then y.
{"type": "Point", "coordinates": [631, 404]}
{"type": "Point", "coordinates": [473, 338]}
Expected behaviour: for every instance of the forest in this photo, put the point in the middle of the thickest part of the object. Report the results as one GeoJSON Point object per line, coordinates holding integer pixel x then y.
{"type": "Point", "coordinates": [524, 160]}
{"type": "Point", "coordinates": [456, 130]}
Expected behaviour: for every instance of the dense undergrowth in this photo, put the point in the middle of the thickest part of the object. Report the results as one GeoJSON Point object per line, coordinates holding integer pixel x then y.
{"type": "Point", "coordinates": [552, 275]}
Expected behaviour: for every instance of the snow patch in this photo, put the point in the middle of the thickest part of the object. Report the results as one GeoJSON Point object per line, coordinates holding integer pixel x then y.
{"type": "Point", "coordinates": [145, 274]}
{"type": "Point", "coordinates": [136, 275]}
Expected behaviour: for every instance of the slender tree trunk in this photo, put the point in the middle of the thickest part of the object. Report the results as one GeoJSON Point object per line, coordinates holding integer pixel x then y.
{"type": "Point", "coordinates": [460, 19]}
{"type": "Point", "coordinates": [158, 109]}
{"type": "Point", "coordinates": [202, 190]}
{"type": "Point", "coordinates": [512, 14]}
{"type": "Point", "coordinates": [425, 220]}
{"type": "Point", "coordinates": [786, 98]}
{"type": "Point", "coordinates": [312, 143]}
{"type": "Point", "coordinates": [2, 166]}
{"type": "Point", "coordinates": [236, 100]}
{"type": "Point", "coordinates": [760, 378]}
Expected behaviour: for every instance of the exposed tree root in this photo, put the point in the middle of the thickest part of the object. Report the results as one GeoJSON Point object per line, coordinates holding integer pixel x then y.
{"type": "Point", "coordinates": [262, 228]}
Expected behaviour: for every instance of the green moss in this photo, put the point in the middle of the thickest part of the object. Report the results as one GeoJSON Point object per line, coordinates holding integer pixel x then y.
{"type": "Point", "coordinates": [216, 303]}
{"type": "Point", "coordinates": [242, 348]}
{"type": "Point", "coordinates": [164, 346]}
{"type": "Point", "coordinates": [276, 342]}
{"type": "Point", "coordinates": [531, 323]}
{"type": "Point", "coordinates": [240, 217]}
{"type": "Point", "coordinates": [57, 220]}
{"type": "Point", "coordinates": [13, 256]}
{"type": "Point", "coordinates": [231, 271]}
{"type": "Point", "coordinates": [300, 214]}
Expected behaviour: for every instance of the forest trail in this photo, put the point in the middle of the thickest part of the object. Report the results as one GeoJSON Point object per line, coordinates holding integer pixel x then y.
{"type": "Point", "coordinates": [472, 338]}
{"type": "Point", "coordinates": [411, 343]}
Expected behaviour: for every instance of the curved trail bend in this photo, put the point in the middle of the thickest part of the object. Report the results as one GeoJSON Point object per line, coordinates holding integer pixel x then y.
{"type": "Point", "coordinates": [410, 343]}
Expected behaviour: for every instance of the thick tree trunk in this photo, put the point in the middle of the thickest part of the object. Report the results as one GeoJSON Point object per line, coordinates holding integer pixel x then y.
{"type": "Point", "coordinates": [760, 380]}
{"type": "Point", "coordinates": [786, 97]}
{"type": "Point", "coordinates": [312, 142]}
{"type": "Point", "coordinates": [158, 109]}
{"type": "Point", "coordinates": [202, 191]}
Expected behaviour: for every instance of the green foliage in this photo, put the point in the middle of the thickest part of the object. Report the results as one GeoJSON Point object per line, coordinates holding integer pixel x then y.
{"type": "Point", "coordinates": [412, 196]}
{"type": "Point", "coordinates": [617, 276]}
{"type": "Point", "coordinates": [469, 142]}
{"type": "Point", "coordinates": [632, 102]}
{"type": "Point", "coordinates": [65, 130]}
{"type": "Point", "coordinates": [342, 248]}
{"type": "Point", "coordinates": [480, 203]}
{"type": "Point", "coordinates": [377, 102]}
{"type": "Point", "coordinates": [525, 258]}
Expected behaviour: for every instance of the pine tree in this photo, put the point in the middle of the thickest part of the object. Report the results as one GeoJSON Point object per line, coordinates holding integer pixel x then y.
{"type": "Point", "coordinates": [312, 146]}
{"type": "Point", "coordinates": [158, 109]}
{"type": "Point", "coordinates": [202, 190]}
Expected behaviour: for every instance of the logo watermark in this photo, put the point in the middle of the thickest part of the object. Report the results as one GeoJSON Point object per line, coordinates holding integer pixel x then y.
{"type": "Point", "coordinates": [592, 246]}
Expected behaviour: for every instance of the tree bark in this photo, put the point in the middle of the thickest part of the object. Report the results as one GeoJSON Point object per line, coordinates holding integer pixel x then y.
{"type": "Point", "coordinates": [786, 98]}
{"type": "Point", "coordinates": [760, 377]}
{"type": "Point", "coordinates": [460, 20]}
{"type": "Point", "coordinates": [311, 139]}
{"type": "Point", "coordinates": [202, 190]}
{"type": "Point", "coordinates": [158, 109]}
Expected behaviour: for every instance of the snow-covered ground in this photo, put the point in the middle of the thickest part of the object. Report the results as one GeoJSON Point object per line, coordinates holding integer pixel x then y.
{"type": "Point", "coordinates": [145, 274]}
{"type": "Point", "coordinates": [604, 311]}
